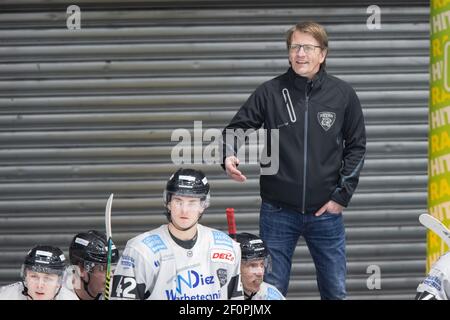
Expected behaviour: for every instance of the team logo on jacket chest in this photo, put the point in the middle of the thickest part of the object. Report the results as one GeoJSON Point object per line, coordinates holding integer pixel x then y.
{"type": "Point", "coordinates": [326, 119]}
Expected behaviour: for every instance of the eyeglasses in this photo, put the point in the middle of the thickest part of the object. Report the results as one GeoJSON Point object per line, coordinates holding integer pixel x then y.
{"type": "Point", "coordinates": [308, 48]}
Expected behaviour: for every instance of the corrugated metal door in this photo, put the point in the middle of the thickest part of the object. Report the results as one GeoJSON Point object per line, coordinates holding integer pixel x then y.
{"type": "Point", "coordinates": [89, 112]}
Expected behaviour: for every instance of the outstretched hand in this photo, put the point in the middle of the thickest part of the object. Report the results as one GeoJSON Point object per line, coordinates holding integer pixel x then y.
{"type": "Point", "coordinates": [231, 164]}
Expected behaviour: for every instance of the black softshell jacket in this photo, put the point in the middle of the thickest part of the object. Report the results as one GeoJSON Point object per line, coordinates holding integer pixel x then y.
{"type": "Point", "coordinates": [322, 139]}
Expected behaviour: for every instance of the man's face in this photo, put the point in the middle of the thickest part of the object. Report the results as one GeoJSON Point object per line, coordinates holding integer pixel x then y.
{"type": "Point", "coordinates": [184, 211]}
{"type": "Point", "coordinates": [306, 64]}
{"type": "Point", "coordinates": [42, 286]}
{"type": "Point", "coordinates": [252, 273]}
{"type": "Point", "coordinates": [97, 279]}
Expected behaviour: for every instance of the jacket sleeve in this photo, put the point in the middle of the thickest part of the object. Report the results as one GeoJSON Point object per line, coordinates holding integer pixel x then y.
{"type": "Point", "coordinates": [354, 135]}
{"type": "Point", "coordinates": [249, 116]}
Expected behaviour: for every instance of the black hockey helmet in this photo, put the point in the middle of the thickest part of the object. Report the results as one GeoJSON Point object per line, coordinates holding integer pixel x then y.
{"type": "Point", "coordinates": [91, 248]}
{"type": "Point", "coordinates": [189, 183]}
{"type": "Point", "coordinates": [252, 246]}
{"type": "Point", "coordinates": [44, 259]}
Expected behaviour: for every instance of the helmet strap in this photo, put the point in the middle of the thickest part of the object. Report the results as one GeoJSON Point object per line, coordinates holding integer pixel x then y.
{"type": "Point", "coordinates": [249, 297]}
{"type": "Point", "coordinates": [25, 291]}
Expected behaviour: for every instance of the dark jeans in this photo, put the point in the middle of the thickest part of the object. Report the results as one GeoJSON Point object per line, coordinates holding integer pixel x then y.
{"type": "Point", "coordinates": [281, 228]}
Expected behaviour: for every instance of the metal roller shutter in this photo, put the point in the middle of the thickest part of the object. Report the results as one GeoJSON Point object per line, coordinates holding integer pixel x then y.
{"type": "Point", "coordinates": [89, 112]}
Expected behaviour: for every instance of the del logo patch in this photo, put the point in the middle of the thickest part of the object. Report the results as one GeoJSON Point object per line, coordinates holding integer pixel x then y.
{"type": "Point", "coordinates": [225, 256]}
{"type": "Point", "coordinates": [326, 119]}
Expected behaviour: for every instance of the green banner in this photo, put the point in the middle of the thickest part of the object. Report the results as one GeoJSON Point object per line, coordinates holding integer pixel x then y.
{"type": "Point", "coordinates": [439, 122]}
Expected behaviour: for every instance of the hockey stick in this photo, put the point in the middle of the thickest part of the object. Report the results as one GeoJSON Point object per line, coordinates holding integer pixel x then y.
{"type": "Point", "coordinates": [231, 223]}
{"type": "Point", "coordinates": [436, 226]}
{"type": "Point", "coordinates": [109, 237]}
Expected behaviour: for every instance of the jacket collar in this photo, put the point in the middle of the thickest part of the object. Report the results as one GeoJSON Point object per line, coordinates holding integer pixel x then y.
{"type": "Point", "coordinates": [317, 80]}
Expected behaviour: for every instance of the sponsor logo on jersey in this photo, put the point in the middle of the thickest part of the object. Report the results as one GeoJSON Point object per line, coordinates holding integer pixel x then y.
{"type": "Point", "coordinates": [127, 262]}
{"type": "Point", "coordinates": [155, 243]}
{"type": "Point", "coordinates": [199, 296]}
{"type": "Point", "coordinates": [222, 275]}
{"type": "Point", "coordinates": [221, 238]}
{"type": "Point", "coordinates": [434, 282]}
{"type": "Point", "coordinates": [190, 281]}
{"type": "Point", "coordinates": [222, 255]}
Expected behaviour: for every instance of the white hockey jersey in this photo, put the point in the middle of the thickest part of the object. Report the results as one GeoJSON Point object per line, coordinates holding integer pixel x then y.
{"type": "Point", "coordinates": [438, 280]}
{"type": "Point", "coordinates": [14, 292]}
{"type": "Point", "coordinates": [154, 267]}
{"type": "Point", "coordinates": [268, 292]}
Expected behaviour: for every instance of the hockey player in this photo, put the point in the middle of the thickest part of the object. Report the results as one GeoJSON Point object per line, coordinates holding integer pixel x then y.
{"type": "Point", "coordinates": [182, 259]}
{"type": "Point", "coordinates": [43, 273]}
{"type": "Point", "coordinates": [88, 253]}
{"type": "Point", "coordinates": [255, 262]}
{"type": "Point", "coordinates": [436, 286]}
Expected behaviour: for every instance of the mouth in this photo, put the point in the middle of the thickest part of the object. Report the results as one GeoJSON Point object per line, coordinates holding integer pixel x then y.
{"type": "Point", "coordinates": [301, 62]}
{"type": "Point", "coordinates": [39, 294]}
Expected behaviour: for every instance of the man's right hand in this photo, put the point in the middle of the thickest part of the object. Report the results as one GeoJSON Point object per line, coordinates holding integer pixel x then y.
{"type": "Point", "coordinates": [231, 164]}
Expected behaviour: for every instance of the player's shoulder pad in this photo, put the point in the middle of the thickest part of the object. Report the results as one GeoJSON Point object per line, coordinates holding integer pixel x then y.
{"type": "Point", "coordinates": [220, 239]}
{"type": "Point", "coordinates": [66, 294]}
{"type": "Point", "coordinates": [443, 264]}
{"type": "Point", "coordinates": [152, 241]}
{"type": "Point", "coordinates": [11, 285]}
{"type": "Point", "coordinates": [273, 293]}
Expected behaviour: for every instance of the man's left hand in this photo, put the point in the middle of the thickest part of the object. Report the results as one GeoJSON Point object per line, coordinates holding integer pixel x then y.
{"type": "Point", "coordinates": [331, 207]}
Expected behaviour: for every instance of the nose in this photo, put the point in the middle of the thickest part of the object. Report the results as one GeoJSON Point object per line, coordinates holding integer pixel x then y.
{"type": "Point", "coordinates": [41, 283]}
{"type": "Point", "coordinates": [259, 271]}
{"type": "Point", "coordinates": [185, 207]}
{"type": "Point", "coordinates": [301, 52]}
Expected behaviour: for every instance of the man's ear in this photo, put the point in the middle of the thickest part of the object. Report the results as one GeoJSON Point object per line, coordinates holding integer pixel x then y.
{"type": "Point", "coordinates": [82, 271]}
{"type": "Point", "coordinates": [323, 54]}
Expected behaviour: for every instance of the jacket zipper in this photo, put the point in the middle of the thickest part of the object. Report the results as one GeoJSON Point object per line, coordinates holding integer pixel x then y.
{"type": "Point", "coordinates": [305, 148]}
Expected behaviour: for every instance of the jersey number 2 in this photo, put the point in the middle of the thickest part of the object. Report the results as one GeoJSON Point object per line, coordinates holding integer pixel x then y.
{"type": "Point", "coordinates": [125, 286]}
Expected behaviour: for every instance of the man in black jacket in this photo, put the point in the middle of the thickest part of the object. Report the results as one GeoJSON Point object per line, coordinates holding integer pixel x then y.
{"type": "Point", "coordinates": [321, 150]}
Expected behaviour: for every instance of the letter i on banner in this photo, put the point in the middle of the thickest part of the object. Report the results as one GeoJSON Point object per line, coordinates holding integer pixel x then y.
{"type": "Point", "coordinates": [439, 123]}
